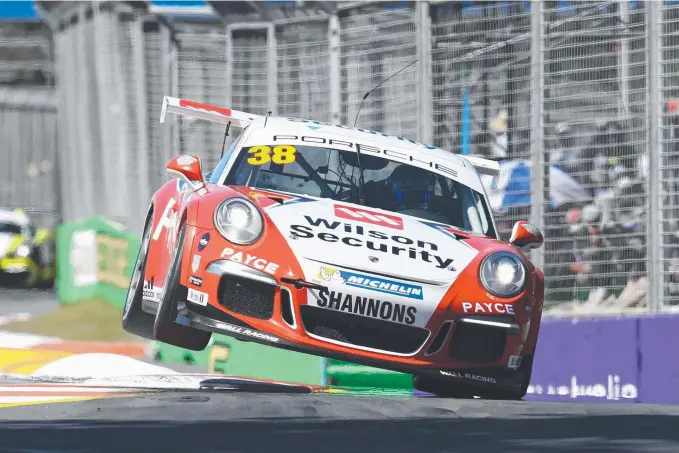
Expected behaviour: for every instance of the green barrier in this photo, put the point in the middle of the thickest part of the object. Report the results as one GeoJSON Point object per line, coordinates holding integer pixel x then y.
{"type": "Point", "coordinates": [95, 259]}
{"type": "Point", "coordinates": [239, 358]}
{"type": "Point", "coordinates": [228, 356]}
{"type": "Point", "coordinates": [349, 375]}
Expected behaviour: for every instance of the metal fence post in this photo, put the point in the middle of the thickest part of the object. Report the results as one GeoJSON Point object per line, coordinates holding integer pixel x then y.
{"type": "Point", "coordinates": [424, 107]}
{"type": "Point", "coordinates": [335, 76]}
{"type": "Point", "coordinates": [654, 155]}
{"type": "Point", "coordinates": [272, 68]}
{"type": "Point", "coordinates": [143, 185]}
{"type": "Point", "coordinates": [537, 129]}
{"type": "Point", "coordinates": [172, 89]}
{"type": "Point", "coordinates": [624, 60]}
{"type": "Point", "coordinates": [228, 48]}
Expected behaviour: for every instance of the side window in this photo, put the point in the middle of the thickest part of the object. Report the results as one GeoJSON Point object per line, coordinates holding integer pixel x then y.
{"type": "Point", "coordinates": [217, 172]}
{"type": "Point", "coordinates": [485, 214]}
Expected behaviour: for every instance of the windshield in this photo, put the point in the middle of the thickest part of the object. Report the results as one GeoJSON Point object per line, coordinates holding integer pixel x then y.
{"type": "Point", "coordinates": [389, 185]}
{"type": "Point", "coordinates": [11, 228]}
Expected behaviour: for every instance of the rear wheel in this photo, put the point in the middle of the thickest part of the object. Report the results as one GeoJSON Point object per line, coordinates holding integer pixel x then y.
{"type": "Point", "coordinates": [165, 328]}
{"type": "Point", "coordinates": [135, 320]}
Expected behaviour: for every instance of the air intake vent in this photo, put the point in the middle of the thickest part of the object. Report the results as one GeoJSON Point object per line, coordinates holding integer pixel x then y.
{"type": "Point", "coordinates": [246, 297]}
{"type": "Point", "coordinates": [437, 344]}
{"type": "Point", "coordinates": [287, 311]}
{"type": "Point", "coordinates": [361, 331]}
{"type": "Point", "coordinates": [477, 343]}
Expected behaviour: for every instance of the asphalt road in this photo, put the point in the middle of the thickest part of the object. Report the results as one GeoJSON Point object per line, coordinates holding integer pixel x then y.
{"type": "Point", "coordinates": [32, 301]}
{"type": "Point", "coordinates": [197, 422]}
{"type": "Point", "coordinates": [244, 422]}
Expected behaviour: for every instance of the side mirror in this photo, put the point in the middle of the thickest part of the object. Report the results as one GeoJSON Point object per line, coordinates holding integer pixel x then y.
{"type": "Point", "coordinates": [188, 168]}
{"type": "Point", "coordinates": [526, 237]}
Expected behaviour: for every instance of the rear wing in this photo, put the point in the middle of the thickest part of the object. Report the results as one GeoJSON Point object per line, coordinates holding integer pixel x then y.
{"type": "Point", "coordinates": [485, 167]}
{"type": "Point", "coordinates": [205, 112]}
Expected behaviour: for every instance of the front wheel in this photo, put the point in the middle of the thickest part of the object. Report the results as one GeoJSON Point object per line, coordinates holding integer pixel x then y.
{"type": "Point", "coordinates": [135, 320]}
{"type": "Point", "coordinates": [165, 328]}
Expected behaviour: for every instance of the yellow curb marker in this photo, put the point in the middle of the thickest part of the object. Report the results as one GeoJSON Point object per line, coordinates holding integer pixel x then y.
{"type": "Point", "coordinates": [26, 361]}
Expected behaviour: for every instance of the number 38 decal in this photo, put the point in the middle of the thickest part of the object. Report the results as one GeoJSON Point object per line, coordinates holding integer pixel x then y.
{"type": "Point", "coordinates": [281, 154]}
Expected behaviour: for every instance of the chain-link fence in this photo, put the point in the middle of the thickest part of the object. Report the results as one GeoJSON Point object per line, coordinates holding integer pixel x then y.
{"type": "Point", "coordinates": [28, 123]}
{"type": "Point", "coordinates": [28, 172]}
{"type": "Point", "coordinates": [579, 101]}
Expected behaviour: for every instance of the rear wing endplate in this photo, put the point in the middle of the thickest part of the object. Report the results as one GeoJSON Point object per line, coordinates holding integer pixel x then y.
{"type": "Point", "coordinates": [485, 167]}
{"type": "Point", "coordinates": [205, 112]}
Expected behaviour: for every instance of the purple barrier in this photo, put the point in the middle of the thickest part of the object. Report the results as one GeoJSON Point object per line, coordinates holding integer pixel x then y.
{"type": "Point", "coordinates": [625, 359]}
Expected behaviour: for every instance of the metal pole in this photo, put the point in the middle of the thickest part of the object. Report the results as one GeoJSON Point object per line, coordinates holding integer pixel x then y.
{"type": "Point", "coordinates": [537, 130]}
{"type": "Point", "coordinates": [335, 61]}
{"type": "Point", "coordinates": [143, 184]}
{"type": "Point", "coordinates": [425, 108]}
{"type": "Point", "coordinates": [229, 68]}
{"type": "Point", "coordinates": [624, 58]}
{"type": "Point", "coordinates": [465, 132]}
{"type": "Point", "coordinates": [654, 155]}
{"type": "Point", "coordinates": [272, 68]}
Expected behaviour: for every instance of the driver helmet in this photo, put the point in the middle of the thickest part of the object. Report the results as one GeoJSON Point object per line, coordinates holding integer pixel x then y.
{"type": "Point", "coordinates": [412, 187]}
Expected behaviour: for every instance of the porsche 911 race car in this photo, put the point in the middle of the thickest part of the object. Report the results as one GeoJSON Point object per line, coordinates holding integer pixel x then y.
{"type": "Point", "coordinates": [26, 253]}
{"type": "Point", "coordinates": [343, 243]}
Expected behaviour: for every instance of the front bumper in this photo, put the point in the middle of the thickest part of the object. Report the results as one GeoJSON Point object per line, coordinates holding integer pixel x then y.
{"type": "Point", "coordinates": [17, 270]}
{"type": "Point", "coordinates": [290, 329]}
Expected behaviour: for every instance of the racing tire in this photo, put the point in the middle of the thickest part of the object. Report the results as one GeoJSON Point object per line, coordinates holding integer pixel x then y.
{"type": "Point", "coordinates": [165, 328]}
{"type": "Point", "coordinates": [135, 320]}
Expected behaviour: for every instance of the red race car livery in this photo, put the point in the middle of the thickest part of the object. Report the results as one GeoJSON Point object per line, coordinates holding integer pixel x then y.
{"type": "Point", "coordinates": [343, 243]}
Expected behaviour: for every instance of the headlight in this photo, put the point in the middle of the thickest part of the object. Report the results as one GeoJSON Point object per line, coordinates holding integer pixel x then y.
{"type": "Point", "coordinates": [22, 251]}
{"type": "Point", "coordinates": [503, 274]}
{"type": "Point", "coordinates": [239, 221]}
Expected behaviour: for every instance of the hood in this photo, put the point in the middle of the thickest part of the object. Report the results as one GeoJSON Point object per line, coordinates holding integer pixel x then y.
{"type": "Point", "coordinates": [6, 240]}
{"type": "Point", "coordinates": [355, 237]}
{"type": "Point", "coordinates": [368, 239]}
{"type": "Point", "coordinates": [405, 263]}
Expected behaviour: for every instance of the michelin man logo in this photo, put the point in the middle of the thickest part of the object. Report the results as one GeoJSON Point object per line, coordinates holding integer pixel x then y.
{"type": "Point", "coordinates": [330, 274]}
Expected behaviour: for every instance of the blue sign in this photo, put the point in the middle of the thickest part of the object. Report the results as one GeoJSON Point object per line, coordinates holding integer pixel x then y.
{"type": "Point", "coordinates": [382, 285]}
{"type": "Point", "coordinates": [18, 10]}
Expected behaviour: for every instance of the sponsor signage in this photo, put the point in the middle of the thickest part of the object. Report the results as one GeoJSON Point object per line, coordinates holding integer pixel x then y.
{"type": "Point", "coordinates": [382, 285]}
{"type": "Point", "coordinates": [148, 291]}
{"type": "Point", "coordinates": [203, 242]}
{"type": "Point", "coordinates": [377, 241]}
{"type": "Point", "coordinates": [250, 260]}
{"type": "Point", "coordinates": [247, 332]}
{"type": "Point", "coordinates": [488, 308]}
{"type": "Point", "coordinates": [196, 297]}
{"type": "Point", "coordinates": [623, 360]}
{"type": "Point", "coordinates": [365, 306]}
{"type": "Point", "coordinates": [195, 263]}
{"type": "Point", "coordinates": [363, 215]}
{"type": "Point", "coordinates": [469, 376]}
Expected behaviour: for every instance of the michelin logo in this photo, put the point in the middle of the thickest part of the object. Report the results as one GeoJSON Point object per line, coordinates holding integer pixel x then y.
{"type": "Point", "coordinates": [376, 284]}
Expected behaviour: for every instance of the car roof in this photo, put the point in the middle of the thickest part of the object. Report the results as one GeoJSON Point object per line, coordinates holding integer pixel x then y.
{"type": "Point", "coordinates": [302, 127]}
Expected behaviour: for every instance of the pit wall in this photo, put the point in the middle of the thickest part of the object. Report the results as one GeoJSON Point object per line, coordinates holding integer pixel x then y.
{"type": "Point", "coordinates": [623, 359]}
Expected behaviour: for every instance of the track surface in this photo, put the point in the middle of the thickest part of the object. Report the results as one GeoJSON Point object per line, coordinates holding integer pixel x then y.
{"type": "Point", "coordinates": [211, 422]}
{"type": "Point", "coordinates": [198, 422]}
{"type": "Point", "coordinates": [34, 301]}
